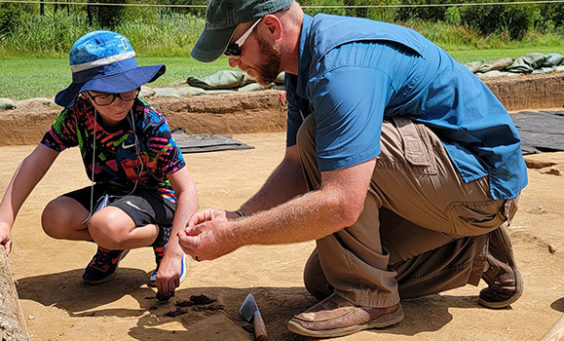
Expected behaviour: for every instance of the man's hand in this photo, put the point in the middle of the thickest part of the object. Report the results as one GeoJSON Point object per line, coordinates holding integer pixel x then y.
{"type": "Point", "coordinates": [212, 214]}
{"type": "Point", "coordinates": [207, 235]}
{"type": "Point", "coordinates": [6, 237]}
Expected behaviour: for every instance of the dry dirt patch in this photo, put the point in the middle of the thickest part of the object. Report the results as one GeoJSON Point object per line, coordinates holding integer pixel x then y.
{"type": "Point", "coordinates": [57, 306]}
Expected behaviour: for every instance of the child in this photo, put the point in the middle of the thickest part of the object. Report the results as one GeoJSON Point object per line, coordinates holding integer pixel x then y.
{"type": "Point", "coordinates": [141, 194]}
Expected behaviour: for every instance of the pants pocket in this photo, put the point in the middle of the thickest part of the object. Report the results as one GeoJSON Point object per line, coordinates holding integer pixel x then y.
{"type": "Point", "coordinates": [417, 147]}
{"type": "Point", "coordinates": [476, 218]}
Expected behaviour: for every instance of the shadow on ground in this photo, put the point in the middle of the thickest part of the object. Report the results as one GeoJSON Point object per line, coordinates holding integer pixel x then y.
{"type": "Point", "coordinates": [215, 321]}
{"type": "Point", "coordinates": [558, 305]}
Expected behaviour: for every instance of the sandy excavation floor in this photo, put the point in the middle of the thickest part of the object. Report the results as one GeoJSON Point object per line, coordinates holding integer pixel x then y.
{"type": "Point", "coordinates": [57, 306]}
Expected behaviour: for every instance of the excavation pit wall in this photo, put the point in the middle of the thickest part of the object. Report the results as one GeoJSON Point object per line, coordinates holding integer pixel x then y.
{"type": "Point", "coordinates": [260, 111]}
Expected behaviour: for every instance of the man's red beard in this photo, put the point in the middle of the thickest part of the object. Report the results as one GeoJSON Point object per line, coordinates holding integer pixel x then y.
{"type": "Point", "coordinates": [269, 69]}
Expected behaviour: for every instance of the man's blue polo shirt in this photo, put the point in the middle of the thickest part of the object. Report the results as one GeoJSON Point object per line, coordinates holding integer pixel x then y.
{"type": "Point", "coordinates": [354, 72]}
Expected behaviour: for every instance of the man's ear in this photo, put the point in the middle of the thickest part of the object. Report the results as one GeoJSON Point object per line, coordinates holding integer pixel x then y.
{"type": "Point", "coordinates": [273, 25]}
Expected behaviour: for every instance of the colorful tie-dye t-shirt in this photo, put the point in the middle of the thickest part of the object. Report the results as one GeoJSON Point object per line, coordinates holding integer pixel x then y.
{"type": "Point", "coordinates": [117, 161]}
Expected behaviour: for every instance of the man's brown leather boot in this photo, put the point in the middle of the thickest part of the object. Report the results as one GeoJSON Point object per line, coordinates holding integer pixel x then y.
{"type": "Point", "coordinates": [505, 284]}
{"type": "Point", "coordinates": [335, 316]}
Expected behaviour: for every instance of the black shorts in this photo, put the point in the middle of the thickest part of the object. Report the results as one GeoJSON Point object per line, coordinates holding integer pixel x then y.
{"type": "Point", "coordinates": [144, 206]}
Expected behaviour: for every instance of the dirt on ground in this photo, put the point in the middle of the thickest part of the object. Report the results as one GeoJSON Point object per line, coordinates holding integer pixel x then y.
{"type": "Point", "coordinates": [58, 306]}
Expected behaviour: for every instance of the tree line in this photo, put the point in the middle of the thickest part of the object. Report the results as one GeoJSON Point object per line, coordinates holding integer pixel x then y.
{"type": "Point", "coordinates": [514, 19]}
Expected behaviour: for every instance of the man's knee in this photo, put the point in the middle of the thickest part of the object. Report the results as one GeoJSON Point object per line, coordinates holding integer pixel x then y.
{"type": "Point", "coordinates": [314, 279]}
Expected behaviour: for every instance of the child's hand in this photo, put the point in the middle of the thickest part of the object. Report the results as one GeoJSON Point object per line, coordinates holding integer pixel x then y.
{"type": "Point", "coordinates": [168, 276]}
{"type": "Point", "coordinates": [6, 237]}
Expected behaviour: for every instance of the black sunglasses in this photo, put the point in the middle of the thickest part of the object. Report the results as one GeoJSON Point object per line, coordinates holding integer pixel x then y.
{"type": "Point", "coordinates": [233, 50]}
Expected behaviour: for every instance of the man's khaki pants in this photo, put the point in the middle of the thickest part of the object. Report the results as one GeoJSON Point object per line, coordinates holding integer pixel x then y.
{"type": "Point", "coordinates": [423, 230]}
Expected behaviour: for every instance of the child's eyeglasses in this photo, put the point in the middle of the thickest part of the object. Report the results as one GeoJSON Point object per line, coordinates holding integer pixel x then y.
{"type": "Point", "coordinates": [233, 50]}
{"type": "Point", "coordinates": [109, 98]}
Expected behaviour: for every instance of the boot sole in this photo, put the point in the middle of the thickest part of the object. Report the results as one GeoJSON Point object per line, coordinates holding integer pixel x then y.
{"type": "Point", "coordinates": [381, 322]}
{"type": "Point", "coordinates": [505, 303]}
{"type": "Point", "coordinates": [519, 285]}
{"type": "Point", "coordinates": [110, 277]}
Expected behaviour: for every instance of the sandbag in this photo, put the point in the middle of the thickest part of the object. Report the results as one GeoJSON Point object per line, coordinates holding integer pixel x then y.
{"type": "Point", "coordinates": [527, 63]}
{"type": "Point", "coordinates": [498, 65]}
{"type": "Point", "coordinates": [473, 66]}
{"type": "Point", "coordinates": [166, 92]}
{"type": "Point", "coordinates": [553, 59]}
{"type": "Point", "coordinates": [6, 103]}
{"type": "Point", "coordinates": [224, 79]}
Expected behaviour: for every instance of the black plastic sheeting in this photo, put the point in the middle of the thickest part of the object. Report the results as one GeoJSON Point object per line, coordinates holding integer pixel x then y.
{"type": "Point", "coordinates": [200, 143]}
{"type": "Point", "coordinates": [540, 131]}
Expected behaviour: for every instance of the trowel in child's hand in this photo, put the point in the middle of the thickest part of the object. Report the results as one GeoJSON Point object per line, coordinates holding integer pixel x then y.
{"type": "Point", "coordinates": [250, 311]}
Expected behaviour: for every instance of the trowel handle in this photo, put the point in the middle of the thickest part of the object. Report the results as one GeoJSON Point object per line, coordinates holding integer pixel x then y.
{"type": "Point", "coordinates": [260, 327]}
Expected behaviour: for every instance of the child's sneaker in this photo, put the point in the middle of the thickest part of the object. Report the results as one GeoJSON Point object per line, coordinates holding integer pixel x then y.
{"type": "Point", "coordinates": [159, 253]}
{"type": "Point", "coordinates": [103, 266]}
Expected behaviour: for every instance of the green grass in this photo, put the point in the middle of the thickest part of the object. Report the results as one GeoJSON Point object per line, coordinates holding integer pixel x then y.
{"type": "Point", "coordinates": [33, 60]}
{"type": "Point", "coordinates": [28, 78]}
{"type": "Point", "coordinates": [178, 68]}
{"type": "Point", "coordinates": [465, 55]}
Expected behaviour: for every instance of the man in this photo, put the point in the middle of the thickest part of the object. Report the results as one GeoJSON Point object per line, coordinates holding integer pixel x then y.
{"type": "Point", "coordinates": [412, 167]}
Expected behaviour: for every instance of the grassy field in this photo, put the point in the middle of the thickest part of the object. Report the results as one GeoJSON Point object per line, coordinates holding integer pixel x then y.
{"type": "Point", "coordinates": [33, 56]}
{"type": "Point", "coordinates": [471, 55]}
{"type": "Point", "coordinates": [26, 78]}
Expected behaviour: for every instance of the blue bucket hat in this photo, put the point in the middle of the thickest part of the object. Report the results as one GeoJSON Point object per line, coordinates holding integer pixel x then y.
{"type": "Point", "coordinates": [105, 61]}
{"type": "Point", "coordinates": [222, 17]}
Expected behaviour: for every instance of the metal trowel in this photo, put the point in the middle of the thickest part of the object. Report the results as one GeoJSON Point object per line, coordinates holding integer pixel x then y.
{"type": "Point", "coordinates": [250, 311]}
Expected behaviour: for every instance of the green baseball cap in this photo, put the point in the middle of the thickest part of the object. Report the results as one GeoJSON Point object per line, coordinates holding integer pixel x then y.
{"type": "Point", "coordinates": [223, 16]}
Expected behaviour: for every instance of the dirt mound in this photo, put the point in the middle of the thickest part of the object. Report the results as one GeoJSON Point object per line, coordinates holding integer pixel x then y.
{"type": "Point", "coordinates": [522, 92]}
{"type": "Point", "coordinates": [260, 111]}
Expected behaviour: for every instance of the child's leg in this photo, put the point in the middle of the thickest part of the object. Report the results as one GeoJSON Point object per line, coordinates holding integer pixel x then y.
{"type": "Point", "coordinates": [113, 229]}
{"type": "Point", "coordinates": [132, 221]}
{"type": "Point", "coordinates": [63, 218]}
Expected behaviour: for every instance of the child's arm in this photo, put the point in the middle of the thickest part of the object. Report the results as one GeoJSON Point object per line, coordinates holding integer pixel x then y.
{"type": "Point", "coordinates": [168, 277]}
{"type": "Point", "coordinates": [24, 180]}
